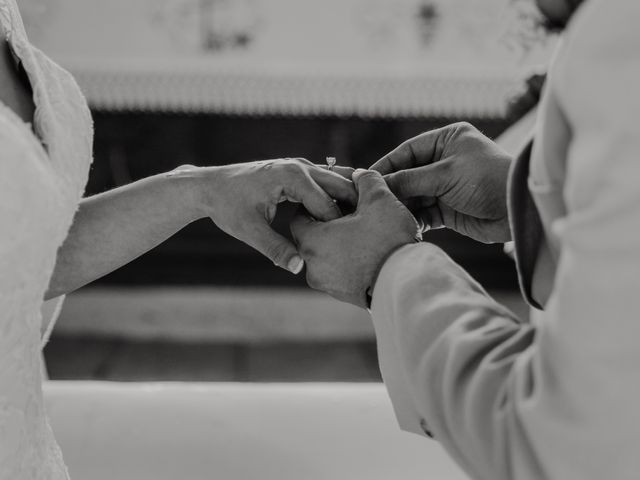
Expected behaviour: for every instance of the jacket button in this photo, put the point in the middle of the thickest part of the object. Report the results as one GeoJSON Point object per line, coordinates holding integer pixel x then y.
{"type": "Point", "coordinates": [425, 428]}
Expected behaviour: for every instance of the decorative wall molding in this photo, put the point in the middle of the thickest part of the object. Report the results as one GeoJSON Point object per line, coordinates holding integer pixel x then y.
{"type": "Point", "coordinates": [258, 94]}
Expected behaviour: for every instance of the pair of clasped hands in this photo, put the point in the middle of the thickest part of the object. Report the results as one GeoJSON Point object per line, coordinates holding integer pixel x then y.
{"type": "Point", "coordinates": [452, 177]}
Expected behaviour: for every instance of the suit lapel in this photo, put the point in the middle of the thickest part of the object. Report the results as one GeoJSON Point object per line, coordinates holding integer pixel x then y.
{"type": "Point", "coordinates": [526, 226]}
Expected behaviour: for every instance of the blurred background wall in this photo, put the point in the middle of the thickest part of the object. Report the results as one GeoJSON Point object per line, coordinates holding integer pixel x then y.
{"type": "Point", "coordinates": [209, 82]}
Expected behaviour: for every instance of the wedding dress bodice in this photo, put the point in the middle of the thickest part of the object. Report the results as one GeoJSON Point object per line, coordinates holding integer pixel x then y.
{"type": "Point", "coordinates": [43, 172]}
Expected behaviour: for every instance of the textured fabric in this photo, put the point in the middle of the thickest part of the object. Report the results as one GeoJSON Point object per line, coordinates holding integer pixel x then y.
{"type": "Point", "coordinates": [42, 178]}
{"type": "Point", "coordinates": [556, 398]}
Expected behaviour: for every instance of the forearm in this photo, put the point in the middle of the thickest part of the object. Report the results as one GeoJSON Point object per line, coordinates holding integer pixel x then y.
{"type": "Point", "coordinates": [113, 228]}
{"type": "Point", "coordinates": [447, 354]}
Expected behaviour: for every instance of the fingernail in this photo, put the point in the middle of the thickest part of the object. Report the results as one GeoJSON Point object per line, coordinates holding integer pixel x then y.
{"type": "Point", "coordinates": [295, 265]}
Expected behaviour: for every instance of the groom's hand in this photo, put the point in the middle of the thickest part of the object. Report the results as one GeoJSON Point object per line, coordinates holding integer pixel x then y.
{"type": "Point", "coordinates": [344, 256]}
{"type": "Point", "coordinates": [242, 200]}
{"type": "Point", "coordinates": [452, 177]}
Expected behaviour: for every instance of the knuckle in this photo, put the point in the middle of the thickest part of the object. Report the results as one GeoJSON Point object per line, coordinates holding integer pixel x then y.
{"type": "Point", "coordinates": [302, 161]}
{"type": "Point", "coordinates": [408, 152]}
{"type": "Point", "coordinates": [287, 165]}
{"type": "Point", "coordinates": [296, 170]}
{"type": "Point", "coordinates": [459, 131]}
{"type": "Point", "coordinates": [466, 131]}
{"type": "Point", "coordinates": [463, 127]}
{"type": "Point", "coordinates": [406, 148]}
{"type": "Point", "coordinates": [296, 163]}
{"type": "Point", "coordinates": [373, 175]}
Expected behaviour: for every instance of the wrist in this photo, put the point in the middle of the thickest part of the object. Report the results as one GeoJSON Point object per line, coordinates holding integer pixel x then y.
{"type": "Point", "coordinates": [379, 267]}
{"type": "Point", "coordinates": [399, 257]}
{"type": "Point", "coordinates": [195, 186]}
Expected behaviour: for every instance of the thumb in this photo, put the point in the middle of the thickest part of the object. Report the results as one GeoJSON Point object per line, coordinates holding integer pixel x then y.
{"type": "Point", "coordinates": [370, 186]}
{"type": "Point", "coordinates": [428, 181]}
{"type": "Point", "coordinates": [301, 226]}
{"type": "Point", "coordinates": [276, 248]}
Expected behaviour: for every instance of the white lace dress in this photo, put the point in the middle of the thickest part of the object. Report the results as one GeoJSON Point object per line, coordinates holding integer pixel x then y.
{"type": "Point", "coordinates": [42, 178]}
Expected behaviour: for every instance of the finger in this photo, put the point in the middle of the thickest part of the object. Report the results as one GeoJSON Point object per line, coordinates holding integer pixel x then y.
{"type": "Point", "coordinates": [481, 229]}
{"type": "Point", "coordinates": [400, 158]}
{"type": "Point", "coordinates": [428, 181]}
{"type": "Point", "coordinates": [301, 226]}
{"type": "Point", "coordinates": [336, 185]}
{"type": "Point", "coordinates": [370, 185]}
{"type": "Point", "coordinates": [421, 150]}
{"type": "Point", "coordinates": [276, 248]}
{"type": "Point", "coordinates": [301, 160]}
{"type": "Point", "coordinates": [346, 172]}
{"type": "Point", "coordinates": [319, 204]}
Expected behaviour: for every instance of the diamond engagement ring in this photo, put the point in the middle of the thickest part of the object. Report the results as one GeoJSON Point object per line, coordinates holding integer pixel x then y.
{"type": "Point", "coordinates": [331, 162]}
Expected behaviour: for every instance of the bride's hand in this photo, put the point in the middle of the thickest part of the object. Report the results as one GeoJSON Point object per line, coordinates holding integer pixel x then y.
{"type": "Point", "coordinates": [242, 200]}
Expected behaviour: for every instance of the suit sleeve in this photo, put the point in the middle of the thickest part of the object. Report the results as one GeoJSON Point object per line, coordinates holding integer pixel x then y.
{"type": "Point", "coordinates": [447, 352]}
{"type": "Point", "coordinates": [559, 398]}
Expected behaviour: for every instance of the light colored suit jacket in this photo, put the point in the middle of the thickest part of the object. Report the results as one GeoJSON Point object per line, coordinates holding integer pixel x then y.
{"type": "Point", "coordinates": [559, 397]}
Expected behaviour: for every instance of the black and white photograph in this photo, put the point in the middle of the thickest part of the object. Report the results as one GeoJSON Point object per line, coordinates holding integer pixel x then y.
{"type": "Point", "coordinates": [319, 239]}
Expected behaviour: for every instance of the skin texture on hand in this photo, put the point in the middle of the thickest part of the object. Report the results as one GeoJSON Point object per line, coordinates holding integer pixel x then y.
{"type": "Point", "coordinates": [452, 177]}
{"type": "Point", "coordinates": [344, 256]}
{"type": "Point", "coordinates": [242, 200]}
{"type": "Point", "coordinates": [113, 228]}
